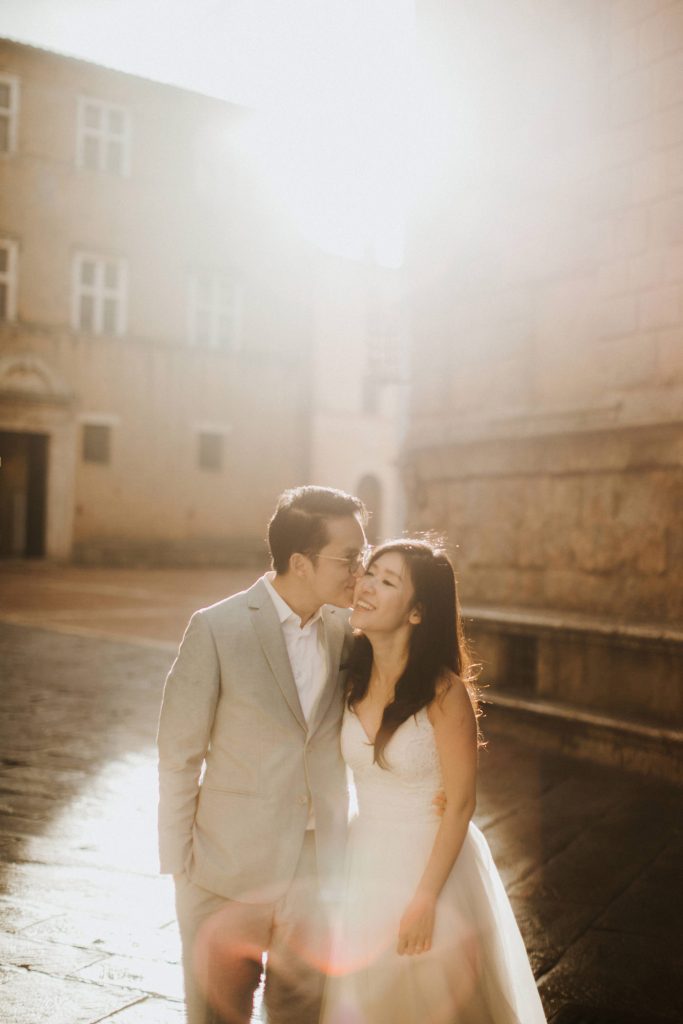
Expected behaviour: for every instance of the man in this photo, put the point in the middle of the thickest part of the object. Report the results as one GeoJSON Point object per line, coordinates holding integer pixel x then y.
{"type": "Point", "coordinates": [254, 701]}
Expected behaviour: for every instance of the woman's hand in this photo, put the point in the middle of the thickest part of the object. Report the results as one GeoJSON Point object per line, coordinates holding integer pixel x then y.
{"type": "Point", "coordinates": [417, 925]}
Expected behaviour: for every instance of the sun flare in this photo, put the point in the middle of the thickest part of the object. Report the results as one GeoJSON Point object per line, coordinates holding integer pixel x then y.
{"type": "Point", "coordinates": [334, 144]}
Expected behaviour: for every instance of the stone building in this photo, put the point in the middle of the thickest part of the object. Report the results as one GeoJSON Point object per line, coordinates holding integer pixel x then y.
{"type": "Point", "coordinates": [546, 422]}
{"type": "Point", "coordinates": [157, 325]}
{"type": "Point", "coordinates": [360, 398]}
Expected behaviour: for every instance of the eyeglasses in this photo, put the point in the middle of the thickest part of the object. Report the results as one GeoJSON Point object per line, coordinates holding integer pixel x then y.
{"type": "Point", "coordinates": [353, 562]}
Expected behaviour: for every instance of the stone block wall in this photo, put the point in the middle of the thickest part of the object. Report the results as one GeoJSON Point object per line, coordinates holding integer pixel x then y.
{"type": "Point", "coordinates": [589, 523]}
{"type": "Point", "coordinates": [547, 260]}
{"type": "Point", "coordinates": [546, 422]}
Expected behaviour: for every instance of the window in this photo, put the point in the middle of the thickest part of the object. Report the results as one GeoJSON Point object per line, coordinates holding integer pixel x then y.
{"type": "Point", "coordinates": [215, 312]}
{"type": "Point", "coordinates": [9, 113]}
{"type": "Point", "coordinates": [8, 279]}
{"type": "Point", "coordinates": [386, 349]}
{"type": "Point", "coordinates": [97, 443]}
{"type": "Point", "coordinates": [99, 295]}
{"type": "Point", "coordinates": [210, 451]}
{"type": "Point", "coordinates": [213, 163]}
{"type": "Point", "coordinates": [369, 490]}
{"type": "Point", "coordinates": [103, 137]}
{"type": "Point", "coordinates": [370, 395]}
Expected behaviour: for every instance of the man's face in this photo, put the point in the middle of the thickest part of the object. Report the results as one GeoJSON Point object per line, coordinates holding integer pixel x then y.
{"type": "Point", "coordinates": [336, 567]}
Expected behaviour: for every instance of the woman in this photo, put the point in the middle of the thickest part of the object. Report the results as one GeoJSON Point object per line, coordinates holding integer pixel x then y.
{"type": "Point", "coordinates": [427, 934]}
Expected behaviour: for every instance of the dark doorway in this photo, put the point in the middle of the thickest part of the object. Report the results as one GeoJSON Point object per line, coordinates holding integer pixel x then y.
{"type": "Point", "coordinates": [23, 479]}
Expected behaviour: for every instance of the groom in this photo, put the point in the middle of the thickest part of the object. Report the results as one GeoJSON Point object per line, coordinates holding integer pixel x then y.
{"type": "Point", "coordinates": [253, 804]}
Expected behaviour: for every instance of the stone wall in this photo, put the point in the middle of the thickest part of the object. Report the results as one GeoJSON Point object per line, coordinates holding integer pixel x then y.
{"type": "Point", "coordinates": [547, 257]}
{"type": "Point", "coordinates": [546, 425]}
{"type": "Point", "coordinates": [587, 522]}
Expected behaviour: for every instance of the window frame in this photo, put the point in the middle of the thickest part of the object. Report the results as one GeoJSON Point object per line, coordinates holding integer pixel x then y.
{"type": "Point", "coordinates": [210, 466]}
{"type": "Point", "coordinates": [215, 310]}
{"type": "Point", "coordinates": [103, 136]}
{"type": "Point", "coordinates": [100, 293]}
{"type": "Point", "coordinates": [385, 345]}
{"type": "Point", "coordinates": [110, 422]}
{"type": "Point", "coordinates": [11, 277]}
{"type": "Point", "coordinates": [214, 428]}
{"type": "Point", "coordinates": [12, 113]}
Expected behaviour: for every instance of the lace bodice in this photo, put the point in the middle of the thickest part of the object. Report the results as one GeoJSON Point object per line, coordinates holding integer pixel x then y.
{"type": "Point", "coordinates": [405, 789]}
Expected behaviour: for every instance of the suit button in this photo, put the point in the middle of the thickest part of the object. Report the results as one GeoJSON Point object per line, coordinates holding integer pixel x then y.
{"type": "Point", "coordinates": [303, 800]}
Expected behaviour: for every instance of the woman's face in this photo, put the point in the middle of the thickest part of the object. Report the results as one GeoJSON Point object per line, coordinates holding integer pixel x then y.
{"type": "Point", "coordinates": [384, 598]}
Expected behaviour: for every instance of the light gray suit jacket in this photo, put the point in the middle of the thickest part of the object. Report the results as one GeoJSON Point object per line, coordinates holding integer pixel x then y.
{"type": "Point", "coordinates": [231, 703]}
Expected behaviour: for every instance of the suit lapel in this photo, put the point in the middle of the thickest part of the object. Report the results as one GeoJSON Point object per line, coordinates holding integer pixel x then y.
{"type": "Point", "coordinates": [269, 632]}
{"type": "Point", "coordinates": [334, 640]}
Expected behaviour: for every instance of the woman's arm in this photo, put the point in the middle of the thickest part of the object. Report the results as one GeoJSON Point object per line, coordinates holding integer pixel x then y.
{"type": "Point", "coordinates": [455, 730]}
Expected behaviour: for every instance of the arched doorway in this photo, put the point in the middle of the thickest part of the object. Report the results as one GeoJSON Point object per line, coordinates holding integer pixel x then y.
{"type": "Point", "coordinates": [369, 490]}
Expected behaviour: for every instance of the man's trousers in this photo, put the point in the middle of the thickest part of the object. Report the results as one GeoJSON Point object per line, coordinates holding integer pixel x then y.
{"type": "Point", "coordinates": [224, 942]}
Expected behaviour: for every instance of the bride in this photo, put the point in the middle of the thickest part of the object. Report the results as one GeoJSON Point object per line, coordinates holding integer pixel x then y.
{"type": "Point", "coordinates": [426, 932]}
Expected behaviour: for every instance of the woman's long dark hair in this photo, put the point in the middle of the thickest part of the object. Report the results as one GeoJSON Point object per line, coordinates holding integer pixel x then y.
{"type": "Point", "coordinates": [438, 646]}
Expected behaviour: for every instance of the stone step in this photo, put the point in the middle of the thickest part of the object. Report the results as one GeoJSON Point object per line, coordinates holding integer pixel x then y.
{"type": "Point", "coordinates": [626, 743]}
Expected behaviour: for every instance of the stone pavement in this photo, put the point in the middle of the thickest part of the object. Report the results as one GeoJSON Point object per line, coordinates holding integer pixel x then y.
{"type": "Point", "coordinates": [591, 857]}
{"type": "Point", "coordinates": [143, 605]}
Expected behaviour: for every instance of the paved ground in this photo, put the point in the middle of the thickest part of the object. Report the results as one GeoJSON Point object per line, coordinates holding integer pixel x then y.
{"type": "Point", "coordinates": [142, 605]}
{"type": "Point", "coordinates": [591, 858]}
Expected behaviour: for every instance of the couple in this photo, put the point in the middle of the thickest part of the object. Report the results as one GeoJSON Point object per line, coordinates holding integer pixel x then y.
{"type": "Point", "coordinates": [253, 792]}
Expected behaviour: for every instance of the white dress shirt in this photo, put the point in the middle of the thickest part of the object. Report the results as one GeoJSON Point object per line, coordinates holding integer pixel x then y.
{"type": "Point", "coordinates": [305, 647]}
{"type": "Point", "coordinates": [307, 653]}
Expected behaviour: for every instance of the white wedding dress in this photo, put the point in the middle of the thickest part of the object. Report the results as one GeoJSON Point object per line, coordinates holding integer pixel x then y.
{"type": "Point", "coordinates": [477, 971]}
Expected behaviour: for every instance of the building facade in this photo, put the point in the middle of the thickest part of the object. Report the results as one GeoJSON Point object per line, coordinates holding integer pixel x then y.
{"type": "Point", "coordinates": [155, 322]}
{"type": "Point", "coordinates": [360, 398]}
{"type": "Point", "coordinates": [546, 428]}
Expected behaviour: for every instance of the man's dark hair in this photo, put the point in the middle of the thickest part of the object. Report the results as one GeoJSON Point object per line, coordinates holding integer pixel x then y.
{"type": "Point", "coordinates": [299, 522]}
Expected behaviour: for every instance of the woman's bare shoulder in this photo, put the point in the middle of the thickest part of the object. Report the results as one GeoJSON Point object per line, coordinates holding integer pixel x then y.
{"type": "Point", "coordinates": [452, 696]}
